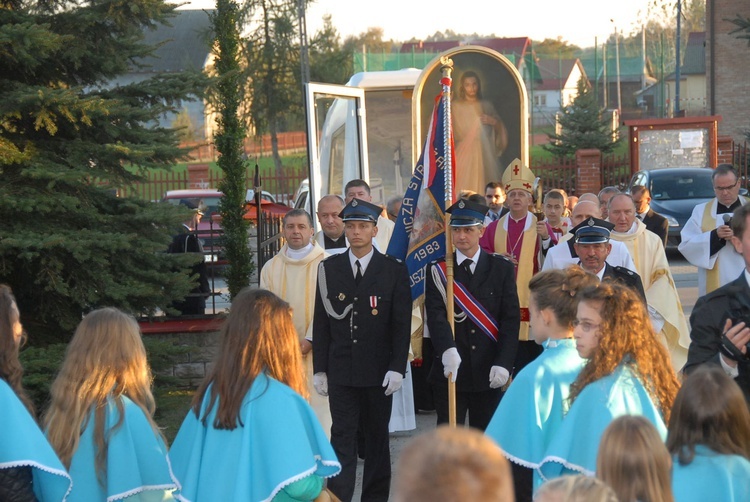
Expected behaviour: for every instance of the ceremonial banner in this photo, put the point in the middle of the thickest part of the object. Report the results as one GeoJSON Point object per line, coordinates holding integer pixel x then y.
{"type": "Point", "coordinates": [419, 235]}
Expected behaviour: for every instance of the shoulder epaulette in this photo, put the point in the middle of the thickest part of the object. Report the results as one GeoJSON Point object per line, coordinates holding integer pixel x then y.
{"type": "Point", "coordinates": [624, 269]}
{"type": "Point", "coordinates": [506, 258]}
{"type": "Point", "coordinates": [398, 260]}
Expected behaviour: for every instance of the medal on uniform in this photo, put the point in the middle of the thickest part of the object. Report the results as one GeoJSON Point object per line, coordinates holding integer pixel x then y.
{"type": "Point", "coordinates": [374, 304]}
{"type": "Point", "coordinates": [342, 297]}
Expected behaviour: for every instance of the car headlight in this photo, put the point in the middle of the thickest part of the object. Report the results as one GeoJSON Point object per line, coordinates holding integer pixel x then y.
{"type": "Point", "coordinates": [672, 221]}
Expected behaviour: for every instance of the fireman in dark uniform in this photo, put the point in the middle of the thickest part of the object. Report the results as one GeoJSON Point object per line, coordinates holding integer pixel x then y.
{"type": "Point", "coordinates": [592, 247]}
{"type": "Point", "coordinates": [480, 364]}
{"type": "Point", "coordinates": [361, 334]}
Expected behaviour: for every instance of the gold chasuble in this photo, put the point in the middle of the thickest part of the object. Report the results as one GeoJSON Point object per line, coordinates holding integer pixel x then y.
{"type": "Point", "coordinates": [525, 254]}
{"type": "Point", "coordinates": [294, 281]}
{"type": "Point", "coordinates": [647, 251]}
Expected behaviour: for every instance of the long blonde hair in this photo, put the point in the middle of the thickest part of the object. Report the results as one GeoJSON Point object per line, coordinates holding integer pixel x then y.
{"type": "Point", "coordinates": [105, 360]}
{"type": "Point", "coordinates": [633, 460]}
{"type": "Point", "coordinates": [258, 335]}
{"type": "Point", "coordinates": [10, 366]}
{"type": "Point", "coordinates": [626, 331]}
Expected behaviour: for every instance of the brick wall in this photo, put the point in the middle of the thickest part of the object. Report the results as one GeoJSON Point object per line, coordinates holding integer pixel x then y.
{"type": "Point", "coordinates": [731, 89]}
{"type": "Point", "coordinates": [588, 171]}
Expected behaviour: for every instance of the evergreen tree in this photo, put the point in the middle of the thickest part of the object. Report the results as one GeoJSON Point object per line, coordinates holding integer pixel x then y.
{"type": "Point", "coordinates": [229, 141]}
{"type": "Point", "coordinates": [582, 126]}
{"type": "Point", "coordinates": [67, 143]}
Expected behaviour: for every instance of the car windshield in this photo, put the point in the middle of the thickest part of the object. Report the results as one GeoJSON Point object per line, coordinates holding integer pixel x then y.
{"type": "Point", "coordinates": [682, 186]}
{"type": "Point", "coordinates": [209, 205]}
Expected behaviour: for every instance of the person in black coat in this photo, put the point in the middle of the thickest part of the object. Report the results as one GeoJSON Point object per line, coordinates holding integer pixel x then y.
{"type": "Point", "coordinates": [591, 244]}
{"type": "Point", "coordinates": [654, 222]}
{"type": "Point", "coordinates": [724, 314]}
{"type": "Point", "coordinates": [361, 335]}
{"type": "Point", "coordinates": [479, 364]}
{"type": "Point", "coordinates": [187, 242]}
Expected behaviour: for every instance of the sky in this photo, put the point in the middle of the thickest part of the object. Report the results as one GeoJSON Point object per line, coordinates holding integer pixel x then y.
{"type": "Point", "coordinates": [576, 21]}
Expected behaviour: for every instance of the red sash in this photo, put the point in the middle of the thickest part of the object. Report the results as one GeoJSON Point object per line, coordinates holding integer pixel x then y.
{"type": "Point", "coordinates": [473, 309]}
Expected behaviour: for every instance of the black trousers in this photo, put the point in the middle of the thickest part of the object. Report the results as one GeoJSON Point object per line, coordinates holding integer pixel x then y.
{"type": "Point", "coordinates": [422, 389]}
{"type": "Point", "coordinates": [479, 405]}
{"type": "Point", "coordinates": [523, 482]}
{"type": "Point", "coordinates": [347, 405]}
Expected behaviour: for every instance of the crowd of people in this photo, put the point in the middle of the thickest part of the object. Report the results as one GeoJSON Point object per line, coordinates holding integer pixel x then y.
{"type": "Point", "coordinates": [575, 373]}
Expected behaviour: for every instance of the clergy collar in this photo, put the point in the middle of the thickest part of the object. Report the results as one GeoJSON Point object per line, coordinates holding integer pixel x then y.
{"type": "Point", "coordinates": [298, 254]}
{"type": "Point", "coordinates": [523, 218]}
{"type": "Point", "coordinates": [722, 209]}
{"type": "Point", "coordinates": [329, 243]}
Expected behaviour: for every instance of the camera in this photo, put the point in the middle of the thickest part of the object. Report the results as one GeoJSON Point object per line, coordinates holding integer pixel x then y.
{"type": "Point", "coordinates": [737, 315]}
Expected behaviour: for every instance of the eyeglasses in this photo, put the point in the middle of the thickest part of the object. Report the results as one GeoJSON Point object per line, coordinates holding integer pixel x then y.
{"type": "Point", "coordinates": [586, 326]}
{"type": "Point", "coordinates": [726, 189]}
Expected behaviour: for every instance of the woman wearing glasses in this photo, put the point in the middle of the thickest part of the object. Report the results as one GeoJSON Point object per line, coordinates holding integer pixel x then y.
{"type": "Point", "coordinates": [628, 372]}
{"type": "Point", "coordinates": [534, 405]}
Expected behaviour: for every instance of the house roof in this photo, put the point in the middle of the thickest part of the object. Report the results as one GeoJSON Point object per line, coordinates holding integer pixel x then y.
{"type": "Point", "coordinates": [555, 73]}
{"type": "Point", "coordinates": [517, 47]}
{"type": "Point", "coordinates": [694, 61]}
{"type": "Point", "coordinates": [185, 44]}
{"type": "Point", "coordinates": [631, 68]}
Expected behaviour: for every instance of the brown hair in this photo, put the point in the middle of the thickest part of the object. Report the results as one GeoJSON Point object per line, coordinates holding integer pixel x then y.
{"type": "Point", "coordinates": [453, 465]}
{"type": "Point", "coordinates": [739, 220]}
{"type": "Point", "coordinates": [258, 335]}
{"type": "Point", "coordinates": [105, 359]}
{"type": "Point", "coordinates": [557, 290]}
{"type": "Point", "coordinates": [464, 76]}
{"type": "Point", "coordinates": [627, 331]}
{"type": "Point", "coordinates": [577, 488]}
{"type": "Point", "coordinates": [711, 410]}
{"type": "Point", "coordinates": [633, 460]}
{"type": "Point", "coordinates": [10, 366]}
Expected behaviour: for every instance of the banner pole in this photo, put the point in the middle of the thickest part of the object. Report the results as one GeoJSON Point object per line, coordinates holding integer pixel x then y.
{"type": "Point", "coordinates": [447, 69]}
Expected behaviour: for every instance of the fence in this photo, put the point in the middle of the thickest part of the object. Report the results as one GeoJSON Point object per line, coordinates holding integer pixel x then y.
{"type": "Point", "coordinates": [282, 187]}
{"type": "Point", "coordinates": [288, 142]}
{"type": "Point", "coordinates": [741, 158]}
{"type": "Point", "coordinates": [561, 173]}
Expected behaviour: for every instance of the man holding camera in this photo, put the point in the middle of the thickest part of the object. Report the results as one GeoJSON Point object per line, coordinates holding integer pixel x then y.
{"type": "Point", "coordinates": [707, 235]}
{"type": "Point", "coordinates": [721, 320]}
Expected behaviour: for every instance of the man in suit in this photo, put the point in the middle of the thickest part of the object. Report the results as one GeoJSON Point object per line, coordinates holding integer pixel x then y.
{"type": "Point", "coordinates": [495, 197]}
{"type": "Point", "coordinates": [361, 329]}
{"type": "Point", "coordinates": [480, 359]}
{"type": "Point", "coordinates": [654, 222]}
{"type": "Point", "coordinates": [592, 246]}
{"type": "Point", "coordinates": [187, 242]}
{"type": "Point", "coordinates": [724, 314]}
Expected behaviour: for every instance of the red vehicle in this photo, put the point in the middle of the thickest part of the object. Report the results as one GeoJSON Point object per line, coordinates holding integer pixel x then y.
{"type": "Point", "coordinates": [209, 229]}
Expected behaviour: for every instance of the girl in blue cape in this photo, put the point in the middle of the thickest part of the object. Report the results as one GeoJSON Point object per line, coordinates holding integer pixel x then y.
{"type": "Point", "coordinates": [536, 402]}
{"type": "Point", "coordinates": [628, 373]}
{"type": "Point", "coordinates": [250, 435]}
{"type": "Point", "coordinates": [29, 467]}
{"type": "Point", "coordinates": [709, 439]}
{"type": "Point", "coordinates": [100, 418]}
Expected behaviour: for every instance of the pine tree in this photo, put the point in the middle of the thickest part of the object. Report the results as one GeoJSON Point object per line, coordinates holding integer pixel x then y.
{"type": "Point", "coordinates": [229, 142]}
{"type": "Point", "coordinates": [67, 143]}
{"type": "Point", "coordinates": [582, 126]}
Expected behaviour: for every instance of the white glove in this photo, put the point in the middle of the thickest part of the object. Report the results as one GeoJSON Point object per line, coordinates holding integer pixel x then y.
{"type": "Point", "coordinates": [320, 382]}
{"type": "Point", "coordinates": [392, 381]}
{"type": "Point", "coordinates": [451, 361]}
{"type": "Point", "coordinates": [498, 377]}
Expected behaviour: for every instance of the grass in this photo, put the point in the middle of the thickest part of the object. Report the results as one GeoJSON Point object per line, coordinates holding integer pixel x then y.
{"type": "Point", "coordinates": [265, 164]}
{"type": "Point", "coordinates": [172, 405]}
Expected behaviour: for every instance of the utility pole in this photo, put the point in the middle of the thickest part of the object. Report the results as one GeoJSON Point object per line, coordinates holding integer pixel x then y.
{"type": "Point", "coordinates": [303, 52]}
{"type": "Point", "coordinates": [617, 68]}
{"type": "Point", "coordinates": [677, 66]}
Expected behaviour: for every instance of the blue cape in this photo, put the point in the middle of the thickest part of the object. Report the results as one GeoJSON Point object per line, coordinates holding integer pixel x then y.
{"type": "Point", "coordinates": [22, 443]}
{"type": "Point", "coordinates": [575, 445]}
{"type": "Point", "coordinates": [534, 405]}
{"type": "Point", "coordinates": [711, 476]}
{"type": "Point", "coordinates": [281, 442]}
{"type": "Point", "coordinates": [137, 463]}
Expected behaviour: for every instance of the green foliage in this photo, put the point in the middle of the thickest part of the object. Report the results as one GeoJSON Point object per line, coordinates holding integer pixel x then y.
{"type": "Point", "coordinates": [329, 63]}
{"type": "Point", "coordinates": [743, 28]}
{"type": "Point", "coordinates": [229, 139]}
{"type": "Point", "coordinates": [184, 126]}
{"type": "Point", "coordinates": [41, 365]}
{"type": "Point", "coordinates": [556, 48]}
{"type": "Point", "coordinates": [582, 126]}
{"type": "Point", "coordinates": [68, 244]}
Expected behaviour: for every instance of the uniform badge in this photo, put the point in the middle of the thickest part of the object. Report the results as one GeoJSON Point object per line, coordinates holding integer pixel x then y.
{"type": "Point", "coordinates": [342, 297]}
{"type": "Point", "coordinates": [374, 304]}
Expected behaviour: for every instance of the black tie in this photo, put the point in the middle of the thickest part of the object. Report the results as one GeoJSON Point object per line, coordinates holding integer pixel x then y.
{"type": "Point", "coordinates": [466, 264]}
{"type": "Point", "coordinates": [358, 275]}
